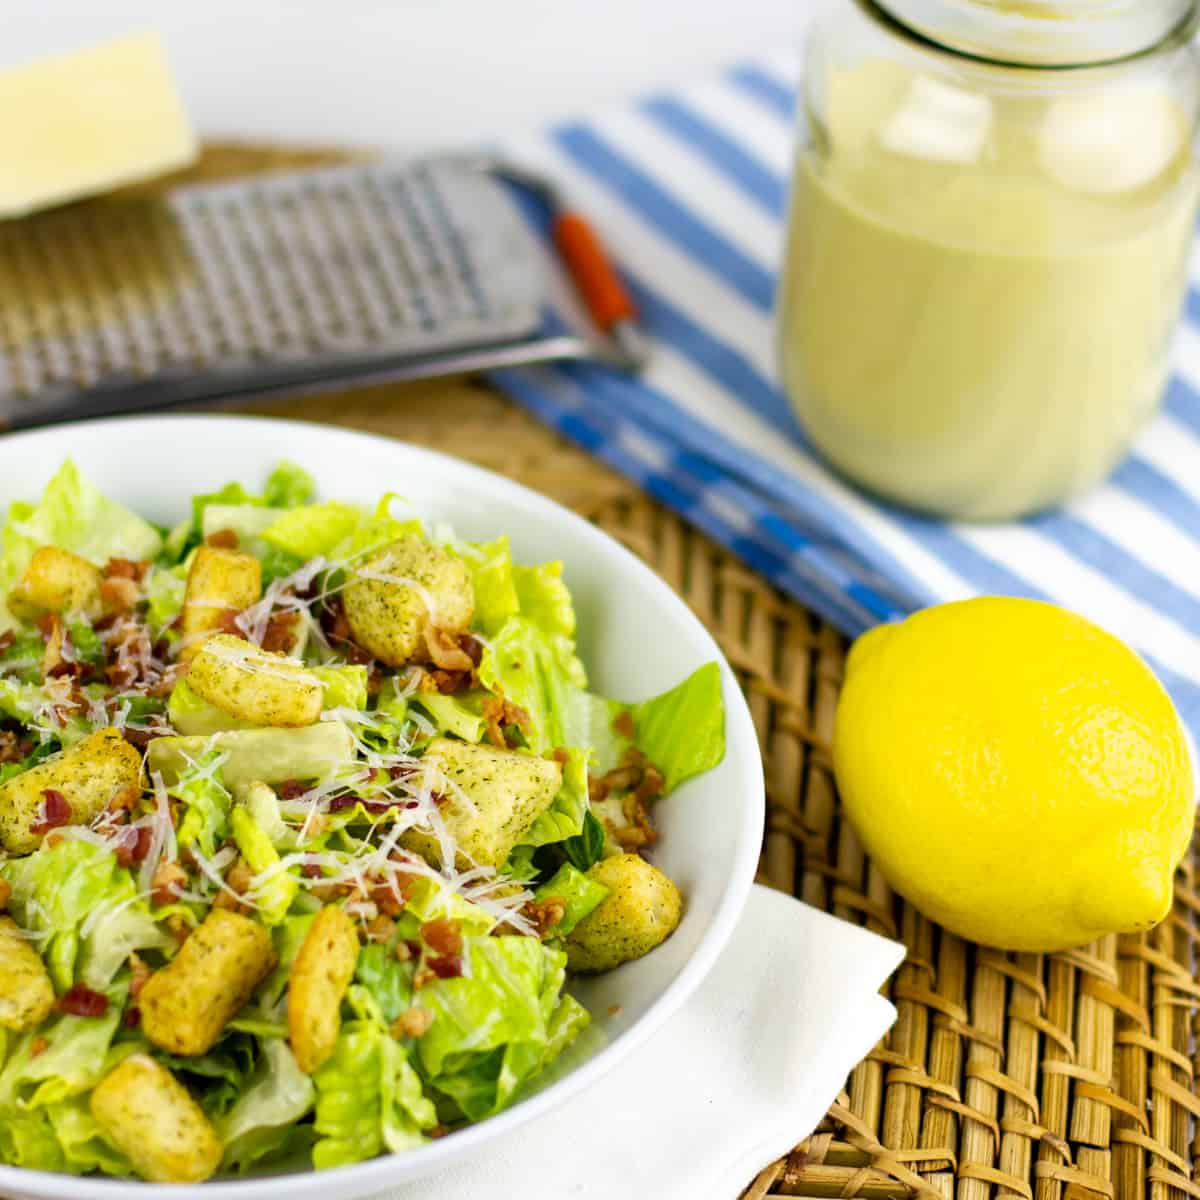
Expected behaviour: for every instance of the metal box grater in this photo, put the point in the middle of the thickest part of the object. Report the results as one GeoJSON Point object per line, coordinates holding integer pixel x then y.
{"type": "Point", "coordinates": [269, 283]}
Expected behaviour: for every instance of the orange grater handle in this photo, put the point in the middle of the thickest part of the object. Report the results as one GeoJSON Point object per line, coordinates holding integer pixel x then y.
{"type": "Point", "coordinates": [607, 301]}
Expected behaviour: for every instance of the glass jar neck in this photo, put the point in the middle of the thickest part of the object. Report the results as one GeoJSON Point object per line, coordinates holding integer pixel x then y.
{"type": "Point", "coordinates": [1045, 33]}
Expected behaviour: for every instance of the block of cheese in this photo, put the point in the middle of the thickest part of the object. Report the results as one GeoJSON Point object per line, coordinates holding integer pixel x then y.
{"type": "Point", "coordinates": [78, 124]}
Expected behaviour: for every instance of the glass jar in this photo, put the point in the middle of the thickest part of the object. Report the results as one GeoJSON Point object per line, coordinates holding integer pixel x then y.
{"type": "Point", "coordinates": [991, 220]}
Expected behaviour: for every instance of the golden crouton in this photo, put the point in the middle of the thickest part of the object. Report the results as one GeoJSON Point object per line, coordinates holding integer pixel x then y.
{"type": "Point", "coordinates": [26, 993]}
{"type": "Point", "coordinates": [640, 912]}
{"type": "Point", "coordinates": [407, 586]}
{"type": "Point", "coordinates": [57, 581]}
{"type": "Point", "coordinates": [151, 1118]}
{"type": "Point", "coordinates": [321, 973]}
{"type": "Point", "coordinates": [187, 1004]}
{"type": "Point", "coordinates": [254, 685]}
{"type": "Point", "coordinates": [87, 775]}
{"type": "Point", "coordinates": [218, 580]}
{"type": "Point", "coordinates": [491, 798]}
{"type": "Point", "coordinates": [258, 755]}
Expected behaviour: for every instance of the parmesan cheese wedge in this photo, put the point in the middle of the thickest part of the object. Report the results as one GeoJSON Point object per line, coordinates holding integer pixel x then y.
{"type": "Point", "coordinates": [78, 124]}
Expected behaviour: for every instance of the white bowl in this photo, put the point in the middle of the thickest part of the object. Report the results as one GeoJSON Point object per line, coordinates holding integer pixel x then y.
{"type": "Point", "coordinates": [636, 637]}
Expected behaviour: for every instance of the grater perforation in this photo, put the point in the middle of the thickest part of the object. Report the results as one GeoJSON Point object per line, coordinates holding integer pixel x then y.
{"type": "Point", "coordinates": [277, 282]}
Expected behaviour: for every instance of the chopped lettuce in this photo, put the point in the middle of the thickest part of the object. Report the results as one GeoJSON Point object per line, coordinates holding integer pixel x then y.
{"type": "Point", "coordinates": [312, 530]}
{"type": "Point", "coordinates": [85, 1146]}
{"type": "Point", "coordinates": [580, 894]}
{"type": "Point", "coordinates": [386, 978]}
{"type": "Point", "coordinates": [74, 514]}
{"type": "Point", "coordinates": [491, 1025]}
{"type": "Point", "coordinates": [369, 1098]}
{"type": "Point", "coordinates": [80, 906]}
{"type": "Point", "coordinates": [495, 589]}
{"type": "Point", "coordinates": [459, 716]}
{"type": "Point", "coordinates": [564, 818]}
{"type": "Point", "coordinates": [206, 803]}
{"type": "Point", "coordinates": [73, 1055]}
{"type": "Point", "coordinates": [538, 671]}
{"type": "Point", "coordinates": [345, 686]}
{"type": "Point", "coordinates": [274, 887]}
{"type": "Point", "coordinates": [272, 1100]}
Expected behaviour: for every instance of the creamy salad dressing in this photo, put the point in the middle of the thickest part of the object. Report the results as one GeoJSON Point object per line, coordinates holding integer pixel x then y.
{"type": "Point", "coordinates": [979, 290]}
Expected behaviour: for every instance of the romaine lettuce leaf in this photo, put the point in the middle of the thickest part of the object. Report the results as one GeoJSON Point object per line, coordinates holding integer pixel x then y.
{"type": "Point", "coordinates": [74, 1057]}
{"type": "Point", "coordinates": [288, 486]}
{"type": "Point", "coordinates": [492, 578]}
{"type": "Point", "coordinates": [273, 1099]}
{"type": "Point", "coordinates": [27, 1139]}
{"type": "Point", "coordinates": [564, 818]}
{"type": "Point", "coordinates": [491, 1025]}
{"type": "Point", "coordinates": [75, 515]}
{"type": "Point", "coordinates": [190, 714]}
{"type": "Point", "coordinates": [580, 894]}
{"type": "Point", "coordinates": [313, 529]}
{"type": "Point", "coordinates": [84, 910]}
{"type": "Point", "coordinates": [368, 1098]}
{"type": "Point", "coordinates": [345, 686]}
{"type": "Point", "coordinates": [681, 731]}
{"type": "Point", "coordinates": [386, 978]}
{"type": "Point", "coordinates": [275, 888]}
{"type": "Point", "coordinates": [538, 671]}
{"type": "Point", "coordinates": [85, 1146]}
{"type": "Point", "coordinates": [544, 599]}
{"type": "Point", "coordinates": [206, 804]}
{"type": "Point", "coordinates": [456, 715]}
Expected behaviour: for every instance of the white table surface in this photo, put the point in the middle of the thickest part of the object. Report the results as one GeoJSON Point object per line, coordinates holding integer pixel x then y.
{"type": "Point", "coordinates": [409, 73]}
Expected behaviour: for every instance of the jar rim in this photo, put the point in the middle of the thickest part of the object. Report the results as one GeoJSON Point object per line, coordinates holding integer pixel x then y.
{"type": "Point", "coordinates": [1044, 33]}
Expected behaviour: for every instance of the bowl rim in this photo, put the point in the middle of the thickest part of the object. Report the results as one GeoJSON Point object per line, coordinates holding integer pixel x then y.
{"type": "Point", "coordinates": [742, 748]}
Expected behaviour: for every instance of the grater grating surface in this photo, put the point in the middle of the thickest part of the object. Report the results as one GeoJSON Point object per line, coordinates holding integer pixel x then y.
{"type": "Point", "coordinates": [259, 283]}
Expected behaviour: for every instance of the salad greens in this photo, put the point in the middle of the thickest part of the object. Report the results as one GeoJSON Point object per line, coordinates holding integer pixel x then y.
{"type": "Point", "coordinates": [307, 812]}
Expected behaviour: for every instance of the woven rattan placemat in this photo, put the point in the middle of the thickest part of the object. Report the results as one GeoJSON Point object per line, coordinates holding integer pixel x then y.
{"type": "Point", "coordinates": [1047, 1077]}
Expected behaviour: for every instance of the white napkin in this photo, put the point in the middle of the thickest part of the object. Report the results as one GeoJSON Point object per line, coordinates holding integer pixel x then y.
{"type": "Point", "coordinates": [734, 1080]}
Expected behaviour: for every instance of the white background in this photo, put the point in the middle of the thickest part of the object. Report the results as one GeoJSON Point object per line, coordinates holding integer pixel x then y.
{"type": "Point", "coordinates": [415, 73]}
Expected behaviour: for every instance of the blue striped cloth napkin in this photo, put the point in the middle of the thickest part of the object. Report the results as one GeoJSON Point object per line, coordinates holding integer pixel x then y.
{"type": "Point", "coordinates": [690, 190]}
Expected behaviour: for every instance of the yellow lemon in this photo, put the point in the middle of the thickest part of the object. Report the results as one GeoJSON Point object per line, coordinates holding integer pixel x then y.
{"type": "Point", "coordinates": [1017, 773]}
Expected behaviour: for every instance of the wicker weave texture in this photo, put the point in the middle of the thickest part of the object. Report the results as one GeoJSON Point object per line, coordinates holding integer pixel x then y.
{"type": "Point", "coordinates": [1040, 1077]}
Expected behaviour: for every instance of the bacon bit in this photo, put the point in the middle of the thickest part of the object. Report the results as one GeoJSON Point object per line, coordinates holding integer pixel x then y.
{"type": "Point", "coordinates": [46, 622]}
{"type": "Point", "coordinates": [389, 903]}
{"type": "Point", "coordinates": [125, 798]}
{"type": "Point", "coordinates": [222, 539]}
{"type": "Point", "coordinates": [403, 951]}
{"type": "Point", "coordinates": [447, 966]}
{"type": "Point", "coordinates": [380, 928]}
{"type": "Point", "coordinates": [338, 803]}
{"type": "Point", "coordinates": [227, 621]}
{"type": "Point", "coordinates": [52, 812]}
{"type": "Point", "coordinates": [240, 879]}
{"type": "Point", "coordinates": [139, 973]}
{"type": "Point", "coordinates": [53, 838]}
{"type": "Point", "coordinates": [54, 662]}
{"type": "Point", "coordinates": [412, 1022]}
{"type": "Point", "coordinates": [444, 651]}
{"type": "Point", "coordinates": [124, 568]}
{"type": "Point", "coordinates": [613, 1009]}
{"type": "Point", "coordinates": [560, 756]}
{"type": "Point", "coordinates": [282, 634]}
{"type": "Point", "coordinates": [544, 915]}
{"type": "Point", "coordinates": [499, 713]}
{"type": "Point", "coordinates": [132, 845]}
{"type": "Point", "coordinates": [442, 935]}
{"type": "Point", "coordinates": [651, 785]}
{"type": "Point", "coordinates": [291, 789]}
{"type": "Point", "coordinates": [334, 622]}
{"type": "Point", "coordinates": [80, 1001]}
{"type": "Point", "coordinates": [311, 870]}
{"type": "Point", "coordinates": [167, 883]}
{"type": "Point", "coordinates": [472, 647]}
{"type": "Point", "coordinates": [375, 677]}
{"type": "Point", "coordinates": [133, 1017]}
{"type": "Point", "coordinates": [13, 748]}
{"type": "Point", "coordinates": [5, 893]}
{"type": "Point", "coordinates": [7, 638]}
{"type": "Point", "coordinates": [438, 1131]}
{"type": "Point", "coordinates": [623, 725]}
{"type": "Point", "coordinates": [119, 595]}
{"type": "Point", "coordinates": [38, 1046]}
